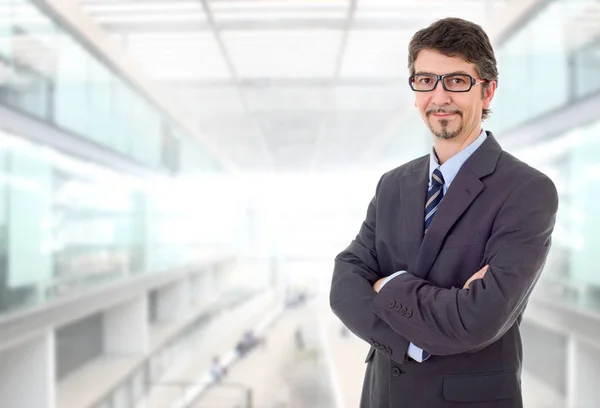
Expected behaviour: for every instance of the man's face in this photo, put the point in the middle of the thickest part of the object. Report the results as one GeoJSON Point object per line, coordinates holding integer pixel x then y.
{"type": "Point", "coordinates": [450, 114]}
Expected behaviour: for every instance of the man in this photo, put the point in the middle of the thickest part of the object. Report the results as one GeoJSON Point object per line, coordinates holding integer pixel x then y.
{"type": "Point", "coordinates": [438, 277]}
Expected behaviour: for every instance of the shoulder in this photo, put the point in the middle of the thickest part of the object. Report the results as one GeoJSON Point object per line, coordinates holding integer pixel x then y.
{"type": "Point", "coordinates": [394, 175]}
{"type": "Point", "coordinates": [511, 167]}
{"type": "Point", "coordinates": [518, 178]}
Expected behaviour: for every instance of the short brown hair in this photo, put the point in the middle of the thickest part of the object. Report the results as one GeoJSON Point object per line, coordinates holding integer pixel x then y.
{"type": "Point", "coordinates": [455, 37]}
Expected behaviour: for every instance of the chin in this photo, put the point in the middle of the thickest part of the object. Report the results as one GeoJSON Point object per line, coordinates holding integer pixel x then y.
{"type": "Point", "coordinates": [445, 132]}
{"type": "Point", "coordinates": [445, 136]}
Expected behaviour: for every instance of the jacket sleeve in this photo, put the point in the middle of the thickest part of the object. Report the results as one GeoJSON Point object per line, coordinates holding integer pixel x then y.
{"type": "Point", "coordinates": [452, 321]}
{"type": "Point", "coordinates": [356, 270]}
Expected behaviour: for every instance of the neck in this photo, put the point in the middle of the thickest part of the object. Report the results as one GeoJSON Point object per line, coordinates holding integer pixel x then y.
{"type": "Point", "coordinates": [445, 149]}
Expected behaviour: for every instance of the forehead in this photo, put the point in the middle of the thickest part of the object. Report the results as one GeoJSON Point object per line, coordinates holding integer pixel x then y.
{"type": "Point", "coordinates": [436, 63]}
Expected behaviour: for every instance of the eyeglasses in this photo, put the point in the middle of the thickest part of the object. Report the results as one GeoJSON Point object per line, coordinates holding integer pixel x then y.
{"type": "Point", "coordinates": [450, 82]}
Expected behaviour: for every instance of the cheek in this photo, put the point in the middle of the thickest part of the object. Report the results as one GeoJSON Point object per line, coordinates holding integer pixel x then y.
{"type": "Point", "coordinates": [421, 102]}
{"type": "Point", "coordinates": [467, 106]}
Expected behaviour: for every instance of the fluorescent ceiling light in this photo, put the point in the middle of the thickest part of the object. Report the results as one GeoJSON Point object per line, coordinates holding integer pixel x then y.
{"type": "Point", "coordinates": [154, 37]}
{"type": "Point", "coordinates": [277, 4]}
{"type": "Point", "coordinates": [141, 7]}
{"type": "Point", "coordinates": [152, 18]}
{"type": "Point", "coordinates": [279, 15]}
{"type": "Point", "coordinates": [277, 36]}
{"type": "Point", "coordinates": [419, 4]}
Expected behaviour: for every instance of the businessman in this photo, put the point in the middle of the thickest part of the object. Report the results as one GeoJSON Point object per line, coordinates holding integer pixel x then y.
{"type": "Point", "coordinates": [438, 277]}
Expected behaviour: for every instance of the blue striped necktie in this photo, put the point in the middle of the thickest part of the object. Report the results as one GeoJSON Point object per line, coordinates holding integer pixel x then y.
{"type": "Point", "coordinates": [434, 196]}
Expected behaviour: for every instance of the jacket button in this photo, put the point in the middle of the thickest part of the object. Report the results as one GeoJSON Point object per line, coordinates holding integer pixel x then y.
{"type": "Point", "coordinates": [391, 304]}
{"type": "Point", "coordinates": [403, 310]}
{"type": "Point", "coordinates": [388, 351]}
{"type": "Point", "coordinates": [376, 345]}
{"type": "Point", "coordinates": [381, 348]}
{"type": "Point", "coordinates": [398, 307]}
{"type": "Point", "coordinates": [396, 372]}
{"type": "Point", "coordinates": [409, 313]}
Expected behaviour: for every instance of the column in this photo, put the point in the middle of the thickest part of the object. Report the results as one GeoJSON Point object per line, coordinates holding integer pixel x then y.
{"type": "Point", "coordinates": [174, 301]}
{"type": "Point", "coordinates": [583, 374]}
{"type": "Point", "coordinates": [126, 328]}
{"type": "Point", "coordinates": [27, 374]}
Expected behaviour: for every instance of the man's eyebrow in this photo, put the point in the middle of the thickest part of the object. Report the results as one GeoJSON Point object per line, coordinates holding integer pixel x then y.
{"type": "Point", "coordinates": [450, 73]}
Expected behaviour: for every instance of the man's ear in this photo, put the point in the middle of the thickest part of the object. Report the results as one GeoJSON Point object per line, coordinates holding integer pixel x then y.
{"type": "Point", "coordinates": [488, 94]}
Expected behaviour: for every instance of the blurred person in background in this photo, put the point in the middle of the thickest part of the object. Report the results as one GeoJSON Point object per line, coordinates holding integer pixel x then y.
{"type": "Point", "coordinates": [248, 342]}
{"type": "Point", "coordinates": [217, 371]}
{"type": "Point", "coordinates": [299, 338]}
{"type": "Point", "coordinates": [437, 279]}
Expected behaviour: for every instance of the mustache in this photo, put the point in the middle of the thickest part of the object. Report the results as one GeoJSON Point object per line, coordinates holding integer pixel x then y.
{"type": "Point", "coordinates": [442, 110]}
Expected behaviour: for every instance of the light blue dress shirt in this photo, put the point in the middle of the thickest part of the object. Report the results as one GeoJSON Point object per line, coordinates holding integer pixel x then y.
{"type": "Point", "coordinates": [449, 171]}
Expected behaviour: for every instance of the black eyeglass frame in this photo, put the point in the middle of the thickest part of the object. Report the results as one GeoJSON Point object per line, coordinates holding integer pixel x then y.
{"type": "Point", "coordinates": [438, 78]}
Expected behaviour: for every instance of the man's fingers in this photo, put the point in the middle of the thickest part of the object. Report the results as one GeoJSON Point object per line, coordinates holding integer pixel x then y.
{"type": "Point", "coordinates": [481, 273]}
{"type": "Point", "coordinates": [477, 275]}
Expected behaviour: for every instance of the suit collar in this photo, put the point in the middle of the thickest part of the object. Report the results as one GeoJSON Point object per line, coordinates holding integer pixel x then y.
{"type": "Point", "coordinates": [483, 161]}
{"type": "Point", "coordinates": [451, 166]}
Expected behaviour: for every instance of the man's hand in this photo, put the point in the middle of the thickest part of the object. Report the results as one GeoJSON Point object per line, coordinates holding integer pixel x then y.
{"type": "Point", "coordinates": [377, 285]}
{"type": "Point", "coordinates": [477, 275]}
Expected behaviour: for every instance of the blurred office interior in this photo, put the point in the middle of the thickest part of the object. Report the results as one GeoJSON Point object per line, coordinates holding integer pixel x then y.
{"type": "Point", "coordinates": [176, 177]}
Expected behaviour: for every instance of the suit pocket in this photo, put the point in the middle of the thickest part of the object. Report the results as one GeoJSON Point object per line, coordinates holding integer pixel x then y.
{"type": "Point", "coordinates": [481, 387]}
{"type": "Point", "coordinates": [370, 354]}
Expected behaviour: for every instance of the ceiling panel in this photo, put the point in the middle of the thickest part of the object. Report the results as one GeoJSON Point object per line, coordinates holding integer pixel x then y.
{"type": "Point", "coordinates": [376, 54]}
{"type": "Point", "coordinates": [178, 56]}
{"type": "Point", "coordinates": [276, 98]}
{"type": "Point", "coordinates": [420, 13]}
{"type": "Point", "coordinates": [206, 102]}
{"type": "Point", "coordinates": [393, 96]}
{"type": "Point", "coordinates": [296, 113]}
{"type": "Point", "coordinates": [283, 54]}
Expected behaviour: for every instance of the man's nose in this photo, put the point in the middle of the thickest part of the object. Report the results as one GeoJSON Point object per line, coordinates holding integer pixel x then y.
{"type": "Point", "coordinates": [439, 96]}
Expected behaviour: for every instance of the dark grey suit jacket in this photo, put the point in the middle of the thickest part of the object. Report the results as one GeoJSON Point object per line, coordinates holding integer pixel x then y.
{"type": "Point", "coordinates": [497, 211]}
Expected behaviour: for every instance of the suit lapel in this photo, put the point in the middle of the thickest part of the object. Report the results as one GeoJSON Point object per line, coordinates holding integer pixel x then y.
{"type": "Point", "coordinates": [460, 195]}
{"type": "Point", "coordinates": [413, 192]}
{"type": "Point", "coordinates": [462, 192]}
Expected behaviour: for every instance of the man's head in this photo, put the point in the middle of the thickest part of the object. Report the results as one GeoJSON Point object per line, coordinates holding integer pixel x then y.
{"type": "Point", "coordinates": [453, 46]}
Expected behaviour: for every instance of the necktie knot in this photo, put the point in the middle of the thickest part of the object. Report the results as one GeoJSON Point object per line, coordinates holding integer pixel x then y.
{"type": "Point", "coordinates": [437, 179]}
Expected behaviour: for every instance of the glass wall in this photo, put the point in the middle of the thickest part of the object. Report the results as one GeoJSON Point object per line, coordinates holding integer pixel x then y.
{"type": "Point", "coordinates": [548, 63]}
{"type": "Point", "coordinates": [48, 73]}
{"type": "Point", "coordinates": [571, 160]}
{"type": "Point", "coordinates": [67, 225]}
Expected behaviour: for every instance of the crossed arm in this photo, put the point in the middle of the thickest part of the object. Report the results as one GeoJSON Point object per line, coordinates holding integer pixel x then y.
{"type": "Point", "coordinates": [450, 321]}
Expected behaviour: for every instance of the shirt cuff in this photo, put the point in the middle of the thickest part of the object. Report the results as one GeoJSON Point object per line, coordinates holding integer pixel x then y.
{"type": "Point", "coordinates": [389, 278]}
{"type": "Point", "coordinates": [417, 354]}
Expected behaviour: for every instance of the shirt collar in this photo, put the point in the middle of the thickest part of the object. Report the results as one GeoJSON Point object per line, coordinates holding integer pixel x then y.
{"type": "Point", "coordinates": [453, 165]}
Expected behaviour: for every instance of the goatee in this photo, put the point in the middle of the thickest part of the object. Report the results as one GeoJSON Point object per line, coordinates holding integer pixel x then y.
{"type": "Point", "coordinates": [444, 132]}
